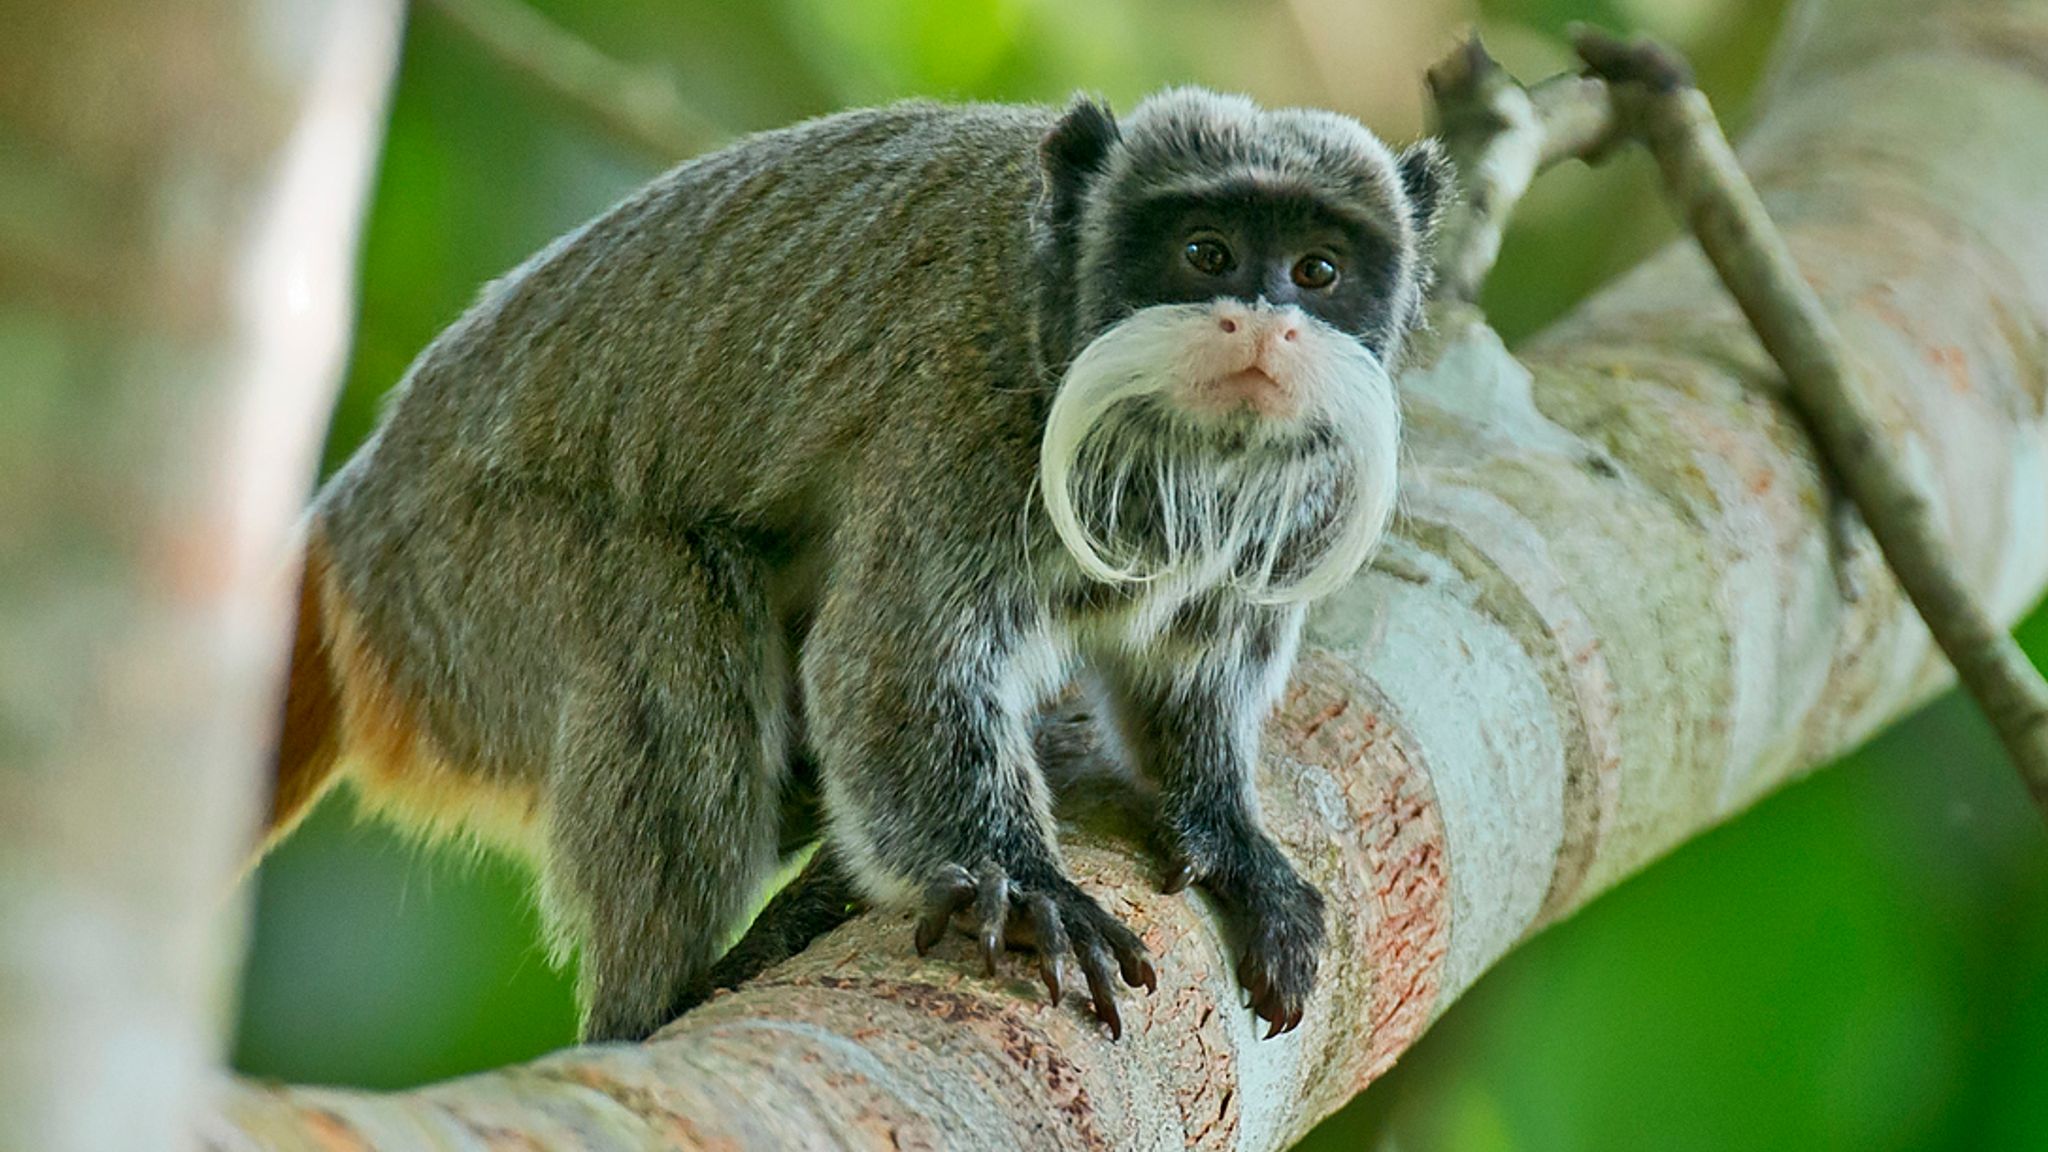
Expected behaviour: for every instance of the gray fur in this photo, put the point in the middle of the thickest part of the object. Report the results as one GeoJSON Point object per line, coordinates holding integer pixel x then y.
{"type": "Point", "coordinates": [746, 465]}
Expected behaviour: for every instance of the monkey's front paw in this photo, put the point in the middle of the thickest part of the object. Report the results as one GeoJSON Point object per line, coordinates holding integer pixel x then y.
{"type": "Point", "coordinates": [1278, 965]}
{"type": "Point", "coordinates": [1281, 916]}
{"type": "Point", "coordinates": [1046, 913]}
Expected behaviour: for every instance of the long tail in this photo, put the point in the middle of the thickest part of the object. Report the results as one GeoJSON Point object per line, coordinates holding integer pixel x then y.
{"type": "Point", "coordinates": [309, 747]}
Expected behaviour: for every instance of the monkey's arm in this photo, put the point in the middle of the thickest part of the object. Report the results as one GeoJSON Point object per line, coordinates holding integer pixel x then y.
{"type": "Point", "coordinates": [1192, 721]}
{"type": "Point", "coordinates": [922, 672]}
{"type": "Point", "coordinates": [822, 896]}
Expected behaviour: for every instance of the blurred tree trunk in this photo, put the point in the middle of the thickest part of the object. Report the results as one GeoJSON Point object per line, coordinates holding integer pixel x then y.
{"type": "Point", "coordinates": [1611, 619]}
{"type": "Point", "coordinates": [180, 183]}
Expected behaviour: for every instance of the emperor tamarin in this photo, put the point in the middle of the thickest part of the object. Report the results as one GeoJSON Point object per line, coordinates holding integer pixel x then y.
{"type": "Point", "coordinates": [837, 453]}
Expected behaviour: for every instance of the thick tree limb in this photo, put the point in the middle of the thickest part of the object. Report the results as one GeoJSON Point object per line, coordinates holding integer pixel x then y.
{"type": "Point", "coordinates": [177, 239]}
{"type": "Point", "coordinates": [1615, 623]}
{"type": "Point", "coordinates": [1673, 119]}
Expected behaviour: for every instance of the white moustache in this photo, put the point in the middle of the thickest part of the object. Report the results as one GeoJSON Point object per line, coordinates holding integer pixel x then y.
{"type": "Point", "coordinates": [1211, 515]}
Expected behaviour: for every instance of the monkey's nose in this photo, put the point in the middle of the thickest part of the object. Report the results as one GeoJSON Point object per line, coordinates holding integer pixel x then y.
{"type": "Point", "coordinates": [1261, 326]}
{"type": "Point", "coordinates": [1277, 329]}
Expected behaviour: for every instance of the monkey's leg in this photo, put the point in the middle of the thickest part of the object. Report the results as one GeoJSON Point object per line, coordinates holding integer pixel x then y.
{"type": "Point", "coordinates": [921, 720]}
{"type": "Point", "coordinates": [1195, 729]}
{"type": "Point", "coordinates": [662, 800]}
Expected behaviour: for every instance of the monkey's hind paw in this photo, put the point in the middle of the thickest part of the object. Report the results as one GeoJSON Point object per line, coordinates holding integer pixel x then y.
{"type": "Point", "coordinates": [1043, 913]}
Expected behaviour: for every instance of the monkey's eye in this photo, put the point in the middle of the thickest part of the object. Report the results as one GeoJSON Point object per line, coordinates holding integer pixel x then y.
{"type": "Point", "coordinates": [1315, 273]}
{"type": "Point", "coordinates": [1208, 255]}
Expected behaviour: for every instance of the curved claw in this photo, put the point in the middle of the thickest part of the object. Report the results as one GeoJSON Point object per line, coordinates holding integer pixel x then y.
{"type": "Point", "coordinates": [1133, 962]}
{"type": "Point", "coordinates": [1095, 966]}
{"type": "Point", "coordinates": [1050, 937]}
{"type": "Point", "coordinates": [1052, 970]}
{"type": "Point", "coordinates": [1139, 973]}
{"type": "Point", "coordinates": [946, 896]}
{"type": "Point", "coordinates": [1276, 968]}
{"type": "Point", "coordinates": [1041, 911]}
{"type": "Point", "coordinates": [1179, 877]}
{"type": "Point", "coordinates": [991, 910]}
{"type": "Point", "coordinates": [1269, 1000]}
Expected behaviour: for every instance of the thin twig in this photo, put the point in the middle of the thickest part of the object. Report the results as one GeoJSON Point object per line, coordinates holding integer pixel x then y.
{"type": "Point", "coordinates": [636, 105]}
{"type": "Point", "coordinates": [1577, 117]}
{"type": "Point", "coordinates": [1654, 93]}
{"type": "Point", "coordinates": [1499, 136]}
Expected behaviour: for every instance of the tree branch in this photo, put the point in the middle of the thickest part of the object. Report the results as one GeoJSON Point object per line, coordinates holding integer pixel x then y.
{"type": "Point", "coordinates": [1615, 624]}
{"type": "Point", "coordinates": [639, 107]}
{"type": "Point", "coordinates": [1500, 135]}
{"type": "Point", "coordinates": [1671, 117]}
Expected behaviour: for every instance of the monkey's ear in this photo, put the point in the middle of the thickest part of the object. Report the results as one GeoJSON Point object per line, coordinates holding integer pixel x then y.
{"type": "Point", "coordinates": [1074, 150]}
{"type": "Point", "coordinates": [1427, 177]}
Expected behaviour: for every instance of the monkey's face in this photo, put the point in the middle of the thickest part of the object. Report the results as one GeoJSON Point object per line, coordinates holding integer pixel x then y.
{"type": "Point", "coordinates": [1241, 279]}
{"type": "Point", "coordinates": [1264, 247]}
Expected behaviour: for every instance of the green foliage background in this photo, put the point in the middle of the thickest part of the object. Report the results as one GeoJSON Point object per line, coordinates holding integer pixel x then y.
{"type": "Point", "coordinates": [1859, 963]}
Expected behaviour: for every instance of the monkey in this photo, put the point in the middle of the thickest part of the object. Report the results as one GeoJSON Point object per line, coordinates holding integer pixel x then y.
{"type": "Point", "coordinates": [825, 461]}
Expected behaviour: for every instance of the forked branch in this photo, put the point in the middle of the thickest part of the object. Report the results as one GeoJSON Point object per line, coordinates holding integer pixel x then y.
{"type": "Point", "coordinates": [1500, 135]}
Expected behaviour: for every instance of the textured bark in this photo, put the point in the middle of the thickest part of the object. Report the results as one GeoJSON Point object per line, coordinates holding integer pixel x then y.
{"type": "Point", "coordinates": [1610, 620]}
{"type": "Point", "coordinates": [177, 220]}
{"type": "Point", "coordinates": [1704, 177]}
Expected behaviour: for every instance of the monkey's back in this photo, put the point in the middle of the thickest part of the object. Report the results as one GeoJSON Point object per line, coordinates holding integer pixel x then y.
{"type": "Point", "coordinates": [716, 351]}
{"type": "Point", "coordinates": [761, 297]}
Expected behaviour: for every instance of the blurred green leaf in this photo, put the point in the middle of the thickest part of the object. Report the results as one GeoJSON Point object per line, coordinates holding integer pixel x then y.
{"type": "Point", "coordinates": [876, 50]}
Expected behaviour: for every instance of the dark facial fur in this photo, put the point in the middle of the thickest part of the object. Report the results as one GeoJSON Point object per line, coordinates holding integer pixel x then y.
{"type": "Point", "coordinates": [1274, 183]}
{"type": "Point", "coordinates": [742, 474]}
{"type": "Point", "coordinates": [1249, 244]}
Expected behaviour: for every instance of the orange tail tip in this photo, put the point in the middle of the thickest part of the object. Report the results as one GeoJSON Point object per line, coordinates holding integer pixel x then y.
{"type": "Point", "coordinates": [344, 716]}
{"type": "Point", "coordinates": [309, 747]}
